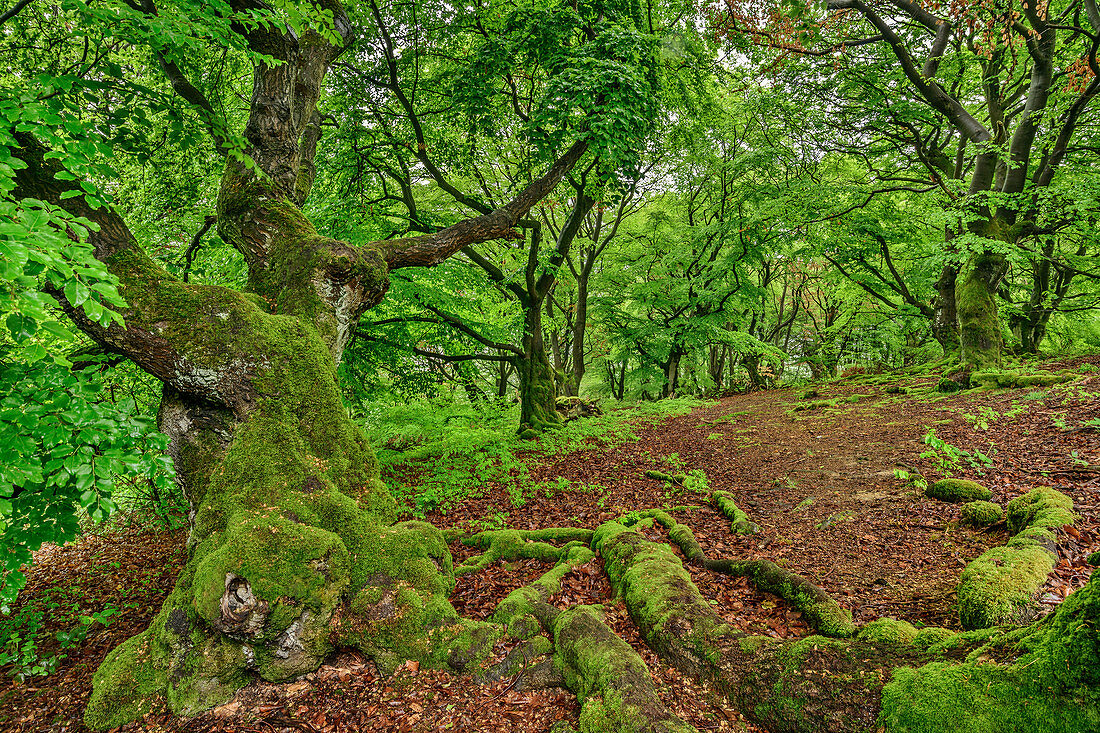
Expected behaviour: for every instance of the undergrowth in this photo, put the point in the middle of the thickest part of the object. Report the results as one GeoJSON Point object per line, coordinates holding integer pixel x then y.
{"type": "Point", "coordinates": [435, 453]}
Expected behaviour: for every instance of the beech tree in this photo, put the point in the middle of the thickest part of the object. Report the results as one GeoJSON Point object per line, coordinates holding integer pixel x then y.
{"type": "Point", "coordinates": [289, 520]}
{"type": "Point", "coordinates": [994, 105]}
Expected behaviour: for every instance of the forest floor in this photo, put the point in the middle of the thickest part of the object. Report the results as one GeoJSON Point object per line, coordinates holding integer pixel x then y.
{"type": "Point", "coordinates": [821, 483]}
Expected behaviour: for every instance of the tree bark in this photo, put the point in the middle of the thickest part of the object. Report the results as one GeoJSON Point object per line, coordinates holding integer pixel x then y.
{"type": "Point", "coordinates": [945, 323]}
{"type": "Point", "coordinates": [537, 385]}
{"type": "Point", "coordinates": [980, 339]}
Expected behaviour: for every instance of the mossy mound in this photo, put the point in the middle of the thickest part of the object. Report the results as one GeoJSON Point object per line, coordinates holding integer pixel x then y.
{"type": "Point", "coordinates": [1015, 380]}
{"type": "Point", "coordinates": [888, 631]}
{"type": "Point", "coordinates": [932, 635]}
{"type": "Point", "coordinates": [1039, 508]}
{"type": "Point", "coordinates": [948, 386]}
{"type": "Point", "coordinates": [1042, 679]}
{"type": "Point", "coordinates": [1000, 585]}
{"type": "Point", "coordinates": [980, 513]}
{"type": "Point", "coordinates": [957, 491]}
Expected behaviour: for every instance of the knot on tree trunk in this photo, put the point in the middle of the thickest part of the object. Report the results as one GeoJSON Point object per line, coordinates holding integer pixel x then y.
{"type": "Point", "coordinates": [242, 613]}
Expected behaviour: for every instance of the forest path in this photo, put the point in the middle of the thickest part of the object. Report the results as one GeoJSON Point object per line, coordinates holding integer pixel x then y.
{"type": "Point", "coordinates": [820, 483]}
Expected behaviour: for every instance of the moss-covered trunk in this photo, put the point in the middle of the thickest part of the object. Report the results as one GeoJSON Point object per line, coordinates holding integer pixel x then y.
{"type": "Point", "coordinates": [945, 322]}
{"type": "Point", "coordinates": [537, 387]}
{"type": "Point", "coordinates": [980, 339]}
{"type": "Point", "coordinates": [293, 546]}
{"type": "Point", "coordinates": [671, 368]}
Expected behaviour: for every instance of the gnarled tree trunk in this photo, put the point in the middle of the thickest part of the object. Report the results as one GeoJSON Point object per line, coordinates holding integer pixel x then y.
{"type": "Point", "coordinates": [293, 545]}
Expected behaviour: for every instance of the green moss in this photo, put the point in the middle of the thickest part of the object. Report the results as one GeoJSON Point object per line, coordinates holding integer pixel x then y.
{"type": "Point", "coordinates": [932, 636]}
{"type": "Point", "coordinates": [998, 587]}
{"type": "Point", "coordinates": [1012, 380]}
{"type": "Point", "coordinates": [980, 513]}
{"type": "Point", "coordinates": [292, 567]}
{"type": "Point", "coordinates": [1044, 678]}
{"type": "Point", "coordinates": [609, 677]}
{"type": "Point", "coordinates": [815, 405]}
{"type": "Point", "coordinates": [1040, 507]}
{"type": "Point", "coordinates": [508, 544]}
{"type": "Point", "coordinates": [888, 631]}
{"type": "Point", "coordinates": [976, 309]}
{"type": "Point", "coordinates": [517, 610]}
{"type": "Point", "coordinates": [126, 685]}
{"type": "Point", "coordinates": [657, 590]}
{"type": "Point", "coordinates": [957, 490]}
{"type": "Point", "coordinates": [739, 521]}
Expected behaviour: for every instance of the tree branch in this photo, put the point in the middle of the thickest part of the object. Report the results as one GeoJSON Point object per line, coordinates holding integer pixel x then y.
{"type": "Point", "coordinates": [431, 249]}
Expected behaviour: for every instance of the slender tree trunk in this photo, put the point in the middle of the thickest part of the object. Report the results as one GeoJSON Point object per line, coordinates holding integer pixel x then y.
{"type": "Point", "coordinates": [717, 364]}
{"type": "Point", "coordinates": [672, 373]}
{"type": "Point", "coordinates": [537, 391]}
{"type": "Point", "coordinates": [945, 323]}
{"type": "Point", "coordinates": [503, 373]}
{"type": "Point", "coordinates": [580, 324]}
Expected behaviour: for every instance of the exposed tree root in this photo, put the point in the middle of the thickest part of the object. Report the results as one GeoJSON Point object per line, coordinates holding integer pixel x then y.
{"type": "Point", "coordinates": [1038, 678]}
{"type": "Point", "coordinates": [821, 611]}
{"type": "Point", "coordinates": [610, 679]}
{"type": "Point", "coordinates": [739, 521]}
{"type": "Point", "coordinates": [513, 544]}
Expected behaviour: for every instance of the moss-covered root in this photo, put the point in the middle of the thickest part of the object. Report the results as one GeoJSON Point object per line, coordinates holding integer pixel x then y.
{"type": "Point", "coordinates": [672, 478]}
{"type": "Point", "coordinates": [814, 684]}
{"type": "Point", "coordinates": [821, 611]}
{"type": "Point", "coordinates": [1011, 380]}
{"type": "Point", "coordinates": [611, 681]}
{"type": "Point", "coordinates": [999, 587]}
{"type": "Point", "coordinates": [525, 611]}
{"type": "Point", "coordinates": [1042, 678]}
{"type": "Point", "coordinates": [739, 521]}
{"type": "Point", "coordinates": [1045, 679]}
{"type": "Point", "coordinates": [513, 544]}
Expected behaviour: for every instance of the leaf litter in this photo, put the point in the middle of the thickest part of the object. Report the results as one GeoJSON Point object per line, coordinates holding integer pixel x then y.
{"type": "Point", "coordinates": [822, 488]}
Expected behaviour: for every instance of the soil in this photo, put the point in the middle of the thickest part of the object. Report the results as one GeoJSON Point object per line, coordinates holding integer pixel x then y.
{"type": "Point", "coordinates": [821, 483]}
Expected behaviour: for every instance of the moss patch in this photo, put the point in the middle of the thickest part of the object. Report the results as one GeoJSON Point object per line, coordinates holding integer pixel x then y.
{"type": "Point", "coordinates": [1042, 679]}
{"type": "Point", "coordinates": [1041, 507]}
{"type": "Point", "coordinates": [739, 520]}
{"type": "Point", "coordinates": [956, 491]}
{"type": "Point", "coordinates": [888, 631]}
{"type": "Point", "coordinates": [999, 586]}
{"type": "Point", "coordinates": [980, 513]}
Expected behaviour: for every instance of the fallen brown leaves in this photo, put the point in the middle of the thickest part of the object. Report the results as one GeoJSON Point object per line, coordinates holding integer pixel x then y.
{"type": "Point", "coordinates": [878, 546]}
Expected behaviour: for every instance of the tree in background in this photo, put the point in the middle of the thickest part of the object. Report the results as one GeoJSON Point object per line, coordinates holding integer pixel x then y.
{"type": "Point", "coordinates": [990, 105]}
{"type": "Point", "coordinates": [462, 101]}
